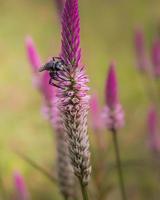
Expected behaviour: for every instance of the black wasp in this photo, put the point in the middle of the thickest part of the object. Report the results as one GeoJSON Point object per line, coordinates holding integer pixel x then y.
{"type": "Point", "coordinates": [54, 66]}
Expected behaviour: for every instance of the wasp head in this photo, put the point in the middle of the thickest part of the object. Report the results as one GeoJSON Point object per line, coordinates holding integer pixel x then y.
{"type": "Point", "coordinates": [55, 64]}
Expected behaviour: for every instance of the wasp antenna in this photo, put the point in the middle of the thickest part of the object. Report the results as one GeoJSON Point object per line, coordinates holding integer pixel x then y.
{"type": "Point", "coordinates": [43, 68]}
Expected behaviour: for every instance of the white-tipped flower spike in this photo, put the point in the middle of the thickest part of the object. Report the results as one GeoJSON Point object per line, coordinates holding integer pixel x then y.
{"type": "Point", "coordinates": [73, 100]}
{"type": "Point", "coordinates": [113, 112]}
{"type": "Point", "coordinates": [73, 104]}
{"type": "Point", "coordinates": [72, 95]}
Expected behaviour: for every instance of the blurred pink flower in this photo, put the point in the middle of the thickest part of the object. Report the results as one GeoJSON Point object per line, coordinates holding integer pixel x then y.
{"type": "Point", "coordinates": [154, 139]}
{"type": "Point", "coordinates": [156, 57]}
{"type": "Point", "coordinates": [97, 121]}
{"type": "Point", "coordinates": [142, 61]}
{"type": "Point", "coordinates": [96, 114]}
{"type": "Point", "coordinates": [49, 106]}
{"type": "Point", "coordinates": [20, 186]}
{"type": "Point", "coordinates": [47, 90]}
{"type": "Point", "coordinates": [33, 55]}
{"type": "Point", "coordinates": [40, 82]}
{"type": "Point", "coordinates": [34, 60]}
{"type": "Point", "coordinates": [111, 90]}
{"type": "Point", "coordinates": [113, 113]}
{"type": "Point", "coordinates": [50, 111]}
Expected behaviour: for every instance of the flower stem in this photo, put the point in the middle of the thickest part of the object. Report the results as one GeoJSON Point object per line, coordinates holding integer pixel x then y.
{"type": "Point", "coordinates": [119, 166]}
{"type": "Point", "coordinates": [84, 191]}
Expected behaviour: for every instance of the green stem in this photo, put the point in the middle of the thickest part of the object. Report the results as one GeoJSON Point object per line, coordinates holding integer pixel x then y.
{"type": "Point", "coordinates": [37, 166]}
{"type": "Point", "coordinates": [84, 191]}
{"type": "Point", "coordinates": [119, 166]}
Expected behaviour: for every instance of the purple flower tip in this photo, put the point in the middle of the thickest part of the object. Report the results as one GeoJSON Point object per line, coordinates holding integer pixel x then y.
{"type": "Point", "coordinates": [32, 53]}
{"type": "Point", "coordinates": [152, 120]}
{"type": "Point", "coordinates": [140, 50]}
{"type": "Point", "coordinates": [156, 57]}
{"type": "Point", "coordinates": [20, 186]}
{"type": "Point", "coordinates": [111, 90]}
{"type": "Point", "coordinates": [70, 50]}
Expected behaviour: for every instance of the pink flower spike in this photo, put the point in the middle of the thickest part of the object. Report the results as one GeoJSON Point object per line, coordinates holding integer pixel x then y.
{"type": "Point", "coordinates": [72, 93]}
{"type": "Point", "coordinates": [156, 57]}
{"type": "Point", "coordinates": [111, 87]}
{"type": "Point", "coordinates": [70, 50]}
{"type": "Point", "coordinates": [97, 121]}
{"type": "Point", "coordinates": [142, 62]}
{"type": "Point", "coordinates": [113, 113]}
{"type": "Point", "coordinates": [33, 55]}
{"type": "Point", "coordinates": [154, 140]}
{"type": "Point", "coordinates": [20, 187]}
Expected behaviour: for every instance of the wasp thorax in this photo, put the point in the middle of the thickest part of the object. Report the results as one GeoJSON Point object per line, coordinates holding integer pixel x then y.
{"type": "Point", "coordinates": [59, 65]}
{"type": "Point", "coordinates": [57, 69]}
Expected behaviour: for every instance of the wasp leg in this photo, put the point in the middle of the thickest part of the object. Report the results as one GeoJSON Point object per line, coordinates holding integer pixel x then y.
{"type": "Point", "coordinates": [53, 76]}
{"type": "Point", "coordinates": [56, 57]}
{"type": "Point", "coordinates": [61, 77]}
{"type": "Point", "coordinates": [53, 84]}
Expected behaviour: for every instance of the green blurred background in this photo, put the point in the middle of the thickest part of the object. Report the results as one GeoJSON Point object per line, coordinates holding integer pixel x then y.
{"type": "Point", "coordinates": [107, 31]}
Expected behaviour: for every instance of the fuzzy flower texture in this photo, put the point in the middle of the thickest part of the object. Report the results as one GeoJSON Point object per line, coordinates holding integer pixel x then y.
{"type": "Point", "coordinates": [72, 97]}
